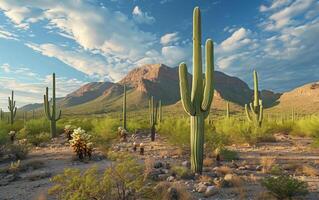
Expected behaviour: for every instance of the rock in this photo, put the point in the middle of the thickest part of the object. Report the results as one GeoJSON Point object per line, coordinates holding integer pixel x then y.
{"type": "Point", "coordinates": [153, 175]}
{"type": "Point", "coordinates": [259, 168]}
{"type": "Point", "coordinates": [163, 177]}
{"type": "Point", "coordinates": [186, 164]}
{"type": "Point", "coordinates": [170, 178]}
{"type": "Point", "coordinates": [241, 168]}
{"type": "Point", "coordinates": [36, 175]}
{"type": "Point", "coordinates": [206, 169]}
{"type": "Point", "coordinates": [7, 179]}
{"type": "Point", "coordinates": [158, 164]}
{"type": "Point", "coordinates": [201, 187]}
{"type": "Point", "coordinates": [211, 190]}
{"type": "Point", "coordinates": [228, 177]}
{"type": "Point", "coordinates": [172, 193]}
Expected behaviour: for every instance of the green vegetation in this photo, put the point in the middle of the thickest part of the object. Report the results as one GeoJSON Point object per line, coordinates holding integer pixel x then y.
{"type": "Point", "coordinates": [256, 107]}
{"type": "Point", "coordinates": [52, 116]}
{"type": "Point", "coordinates": [12, 107]}
{"type": "Point", "coordinates": [285, 187]}
{"type": "Point", "coordinates": [197, 101]}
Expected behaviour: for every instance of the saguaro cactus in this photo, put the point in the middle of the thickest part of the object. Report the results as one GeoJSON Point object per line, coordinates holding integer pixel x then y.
{"type": "Point", "coordinates": [1, 114]}
{"type": "Point", "coordinates": [124, 108]}
{"type": "Point", "coordinates": [153, 117]}
{"type": "Point", "coordinates": [160, 111]}
{"type": "Point", "coordinates": [227, 110]}
{"type": "Point", "coordinates": [197, 101]}
{"type": "Point", "coordinates": [256, 107]}
{"type": "Point", "coordinates": [12, 107]}
{"type": "Point", "coordinates": [51, 112]}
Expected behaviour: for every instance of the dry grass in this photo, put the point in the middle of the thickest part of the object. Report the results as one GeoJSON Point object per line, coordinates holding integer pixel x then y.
{"type": "Point", "coordinates": [267, 163]}
{"type": "Point", "coordinates": [162, 190]}
{"type": "Point", "coordinates": [264, 195]}
{"type": "Point", "coordinates": [208, 162]}
{"type": "Point", "coordinates": [224, 170]}
{"type": "Point", "coordinates": [148, 166]}
{"type": "Point", "coordinates": [239, 186]}
{"type": "Point", "coordinates": [205, 178]}
{"type": "Point", "coordinates": [308, 170]}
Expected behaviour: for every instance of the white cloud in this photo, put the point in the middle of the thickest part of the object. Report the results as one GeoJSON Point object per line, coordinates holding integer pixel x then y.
{"type": "Point", "coordinates": [7, 35]}
{"type": "Point", "coordinates": [275, 5]}
{"type": "Point", "coordinates": [142, 17]}
{"type": "Point", "coordinates": [5, 67]}
{"type": "Point", "coordinates": [169, 38]}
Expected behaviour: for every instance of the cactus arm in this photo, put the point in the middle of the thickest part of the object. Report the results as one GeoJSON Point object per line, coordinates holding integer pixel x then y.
{"type": "Point", "coordinates": [209, 80]}
{"type": "Point", "coordinates": [261, 109]}
{"type": "Point", "coordinates": [184, 90]}
{"type": "Point", "coordinates": [247, 113]}
{"type": "Point", "coordinates": [47, 104]}
{"type": "Point", "coordinates": [252, 109]}
{"type": "Point", "coordinates": [197, 87]}
{"type": "Point", "coordinates": [14, 112]}
{"type": "Point", "coordinates": [59, 116]}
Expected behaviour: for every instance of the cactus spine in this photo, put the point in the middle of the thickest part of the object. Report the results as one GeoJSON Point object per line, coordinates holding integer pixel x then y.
{"type": "Point", "coordinates": [256, 107]}
{"type": "Point", "coordinates": [153, 117]}
{"type": "Point", "coordinates": [12, 107]}
{"type": "Point", "coordinates": [51, 112]}
{"type": "Point", "coordinates": [227, 110]}
{"type": "Point", "coordinates": [124, 108]}
{"type": "Point", "coordinates": [197, 101]}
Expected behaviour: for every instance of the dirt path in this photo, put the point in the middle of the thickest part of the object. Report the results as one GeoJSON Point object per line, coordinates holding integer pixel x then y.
{"type": "Point", "coordinates": [55, 157]}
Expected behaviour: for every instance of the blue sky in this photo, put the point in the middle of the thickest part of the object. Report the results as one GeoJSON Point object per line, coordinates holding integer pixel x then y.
{"type": "Point", "coordinates": [84, 41]}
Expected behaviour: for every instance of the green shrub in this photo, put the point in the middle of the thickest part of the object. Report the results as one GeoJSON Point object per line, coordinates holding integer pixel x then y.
{"type": "Point", "coordinates": [307, 127]}
{"type": "Point", "coordinates": [5, 128]}
{"type": "Point", "coordinates": [182, 172]}
{"type": "Point", "coordinates": [104, 130]}
{"type": "Point", "coordinates": [284, 186]}
{"type": "Point", "coordinates": [123, 180]}
{"type": "Point", "coordinates": [228, 155]}
{"type": "Point", "coordinates": [176, 130]}
{"type": "Point", "coordinates": [20, 150]}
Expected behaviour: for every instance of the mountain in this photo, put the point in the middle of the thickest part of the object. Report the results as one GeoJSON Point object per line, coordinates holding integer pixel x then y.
{"type": "Point", "coordinates": [304, 99]}
{"type": "Point", "coordinates": [33, 106]}
{"type": "Point", "coordinates": [156, 80]}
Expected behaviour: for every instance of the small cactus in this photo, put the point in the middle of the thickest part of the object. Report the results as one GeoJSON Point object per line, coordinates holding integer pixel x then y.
{"type": "Point", "coordinates": [256, 107]}
{"type": "Point", "coordinates": [12, 107]}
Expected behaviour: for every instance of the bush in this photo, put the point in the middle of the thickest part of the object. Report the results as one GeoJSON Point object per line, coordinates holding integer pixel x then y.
{"type": "Point", "coordinates": [307, 127]}
{"type": "Point", "coordinates": [105, 130]}
{"type": "Point", "coordinates": [36, 131]}
{"type": "Point", "coordinates": [284, 186]}
{"type": "Point", "coordinates": [176, 130]}
{"type": "Point", "coordinates": [5, 128]}
{"type": "Point", "coordinates": [123, 180]}
{"type": "Point", "coordinates": [182, 172]}
{"type": "Point", "coordinates": [20, 150]}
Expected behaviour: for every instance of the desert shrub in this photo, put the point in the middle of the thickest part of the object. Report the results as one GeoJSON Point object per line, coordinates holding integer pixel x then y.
{"type": "Point", "coordinates": [5, 128]}
{"type": "Point", "coordinates": [228, 155]}
{"type": "Point", "coordinates": [137, 124]}
{"type": "Point", "coordinates": [85, 123]}
{"type": "Point", "coordinates": [176, 130]}
{"type": "Point", "coordinates": [81, 143]}
{"type": "Point", "coordinates": [182, 172]}
{"type": "Point", "coordinates": [166, 190]}
{"type": "Point", "coordinates": [104, 130]}
{"type": "Point", "coordinates": [36, 131]}
{"type": "Point", "coordinates": [19, 150]}
{"type": "Point", "coordinates": [307, 127]}
{"type": "Point", "coordinates": [122, 181]}
{"type": "Point", "coordinates": [285, 186]}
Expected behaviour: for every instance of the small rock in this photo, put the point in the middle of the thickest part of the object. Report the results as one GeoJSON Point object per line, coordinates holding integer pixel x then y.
{"type": "Point", "coordinates": [228, 177]}
{"type": "Point", "coordinates": [259, 168]}
{"type": "Point", "coordinates": [186, 164]}
{"type": "Point", "coordinates": [201, 187]}
{"type": "Point", "coordinates": [210, 191]}
{"type": "Point", "coordinates": [170, 178]}
{"type": "Point", "coordinates": [158, 164]}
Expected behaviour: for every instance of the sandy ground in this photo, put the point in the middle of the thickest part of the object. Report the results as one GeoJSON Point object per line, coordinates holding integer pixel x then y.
{"type": "Point", "coordinates": [287, 150]}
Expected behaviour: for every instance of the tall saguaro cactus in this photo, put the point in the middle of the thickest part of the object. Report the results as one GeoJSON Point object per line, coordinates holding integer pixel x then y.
{"type": "Point", "coordinates": [1, 114]}
{"type": "Point", "coordinates": [12, 107]}
{"type": "Point", "coordinates": [160, 111]}
{"type": "Point", "coordinates": [256, 107]}
{"type": "Point", "coordinates": [197, 101]}
{"type": "Point", "coordinates": [153, 116]}
{"type": "Point", "coordinates": [124, 108]}
{"type": "Point", "coordinates": [51, 112]}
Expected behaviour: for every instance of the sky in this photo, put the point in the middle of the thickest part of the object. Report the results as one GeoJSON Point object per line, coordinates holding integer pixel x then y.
{"type": "Point", "coordinates": [89, 40]}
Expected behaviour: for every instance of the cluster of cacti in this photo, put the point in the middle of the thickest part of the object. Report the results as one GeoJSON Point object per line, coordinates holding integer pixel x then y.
{"type": "Point", "coordinates": [153, 110]}
{"type": "Point", "coordinates": [81, 143]}
{"type": "Point", "coordinates": [51, 113]}
{"type": "Point", "coordinates": [124, 108]}
{"type": "Point", "coordinates": [12, 107]}
{"type": "Point", "coordinates": [197, 102]}
{"type": "Point", "coordinates": [256, 107]}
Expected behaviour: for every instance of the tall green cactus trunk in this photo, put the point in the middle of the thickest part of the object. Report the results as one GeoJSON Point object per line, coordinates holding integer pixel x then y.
{"type": "Point", "coordinates": [160, 111]}
{"type": "Point", "coordinates": [1, 114]}
{"type": "Point", "coordinates": [124, 108]}
{"type": "Point", "coordinates": [153, 117]}
{"type": "Point", "coordinates": [197, 101]}
{"type": "Point", "coordinates": [256, 107]}
{"type": "Point", "coordinates": [12, 107]}
{"type": "Point", "coordinates": [51, 116]}
{"type": "Point", "coordinates": [227, 110]}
